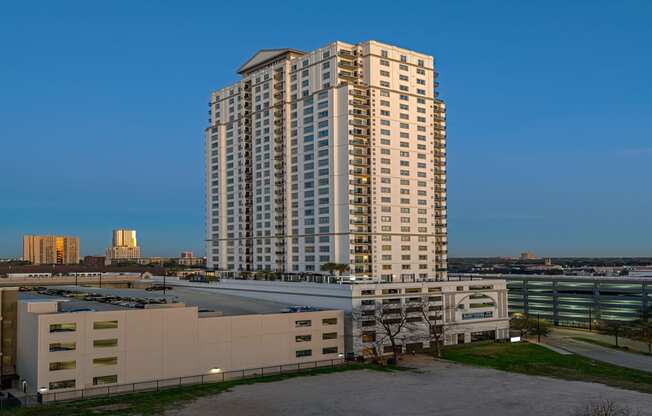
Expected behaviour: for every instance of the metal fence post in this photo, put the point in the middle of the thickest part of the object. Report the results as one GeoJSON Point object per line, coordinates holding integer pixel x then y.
{"type": "Point", "coordinates": [156, 385]}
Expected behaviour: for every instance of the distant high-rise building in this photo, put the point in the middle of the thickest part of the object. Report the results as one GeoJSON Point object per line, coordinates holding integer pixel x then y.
{"type": "Point", "coordinates": [51, 249]}
{"type": "Point", "coordinates": [124, 238]}
{"type": "Point", "coordinates": [186, 254]}
{"type": "Point", "coordinates": [334, 155]}
{"type": "Point", "coordinates": [528, 255]}
{"type": "Point", "coordinates": [125, 246]}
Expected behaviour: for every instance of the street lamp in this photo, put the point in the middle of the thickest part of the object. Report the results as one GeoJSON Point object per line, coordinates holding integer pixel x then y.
{"type": "Point", "coordinates": [539, 328]}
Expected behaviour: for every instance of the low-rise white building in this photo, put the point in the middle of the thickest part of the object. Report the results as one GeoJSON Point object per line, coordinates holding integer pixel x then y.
{"type": "Point", "coordinates": [62, 348]}
{"type": "Point", "coordinates": [469, 310]}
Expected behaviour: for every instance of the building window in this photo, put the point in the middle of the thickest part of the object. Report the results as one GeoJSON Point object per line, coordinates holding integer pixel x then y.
{"type": "Point", "coordinates": [329, 350]}
{"type": "Point", "coordinates": [62, 384]}
{"type": "Point", "coordinates": [302, 323]}
{"type": "Point", "coordinates": [303, 338]}
{"type": "Point", "coordinates": [69, 327]}
{"type": "Point", "coordinates": [304, 353]}
{"type": "Point", "coordinates": [329, 335]}
{"type": "Point", "coordinates": [105, 361]}
{"type": "Point", "coordinates": [329, 321]}
{"type": "Point", "coordinates": [63, 346]}
{"type": "Point", "coordinates": [63, 365]}
{"type": "Point", "coordinates": [97, 381]}
{"type": "Point", "coordinates": [105, 343]}
{"type": "Point", "coordinates": [105, 325]}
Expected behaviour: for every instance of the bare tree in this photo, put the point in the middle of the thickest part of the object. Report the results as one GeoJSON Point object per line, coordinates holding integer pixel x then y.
{"type": "Point", "coordinates": [604, 408]}
{"type": "Point", "coordinates": [389, 322]}
{"type": "Point", "coordinates": [433, 319]}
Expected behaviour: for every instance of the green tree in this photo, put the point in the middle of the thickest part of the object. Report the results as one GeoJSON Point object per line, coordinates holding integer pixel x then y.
{"type": "Point", "coordinates": [332, 268]}
{"type": "Point", "coordinates": [539, 327]}
{"type": "Point", "coordinates": [519, 322]}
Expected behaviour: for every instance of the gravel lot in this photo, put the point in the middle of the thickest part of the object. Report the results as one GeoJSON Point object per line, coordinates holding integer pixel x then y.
{"type": "Point", "coordinates": [433, 388]}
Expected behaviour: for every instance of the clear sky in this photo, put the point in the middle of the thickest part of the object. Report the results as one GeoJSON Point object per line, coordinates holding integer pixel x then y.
{"type": "Point", "coordinates": [103, 106]}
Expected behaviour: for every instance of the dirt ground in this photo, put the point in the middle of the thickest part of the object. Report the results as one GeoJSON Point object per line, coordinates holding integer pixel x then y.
{"type": "Point", "coordinates": [432, 388]}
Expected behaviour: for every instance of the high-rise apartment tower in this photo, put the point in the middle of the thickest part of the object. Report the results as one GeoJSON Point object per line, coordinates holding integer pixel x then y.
{"type": "Point", "coordinates": [332, 156]}
{"type": "Point", "coordinates": [125, 246]}
{"type": "Point", "coordinates": [51, 249]}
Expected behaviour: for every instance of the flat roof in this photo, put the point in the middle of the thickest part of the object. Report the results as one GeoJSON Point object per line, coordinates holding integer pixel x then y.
{"type": "Point", "coordinates": [69, 304]}
{"type": "Point", "coordinates": [205, 300]}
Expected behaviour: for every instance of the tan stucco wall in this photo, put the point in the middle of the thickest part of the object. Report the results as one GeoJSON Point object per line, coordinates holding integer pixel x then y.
{"type": "Point", "coordinates": [167, 343]}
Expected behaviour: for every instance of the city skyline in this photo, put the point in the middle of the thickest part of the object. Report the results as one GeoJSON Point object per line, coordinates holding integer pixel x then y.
{"type": "Point", "coordinates": [548, 138]}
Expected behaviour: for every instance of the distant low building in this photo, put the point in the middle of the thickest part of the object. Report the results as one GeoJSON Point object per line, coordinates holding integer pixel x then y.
{"type": "Point", "coordinates": [94, 261]}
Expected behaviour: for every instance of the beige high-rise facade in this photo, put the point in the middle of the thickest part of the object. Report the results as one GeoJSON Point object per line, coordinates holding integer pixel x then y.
{"type": "Point", "coordinates": [51, 249]}
{"type": "Point", "coordinates": [124, 238]}
{"type": "Point", "coordinates": [125, 246]}
{"type": "Point", "coordinates": [334, 155]}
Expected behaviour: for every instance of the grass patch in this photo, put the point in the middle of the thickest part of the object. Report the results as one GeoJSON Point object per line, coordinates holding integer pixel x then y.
{"type": "Point", "coordinates": [609, 345]}
{"type": "Point", "coordinates": [155, 403]}
{"type": "Point", "coordinates": [536, 360]}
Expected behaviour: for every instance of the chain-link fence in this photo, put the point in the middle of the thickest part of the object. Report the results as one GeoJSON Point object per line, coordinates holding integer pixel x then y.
{"type": "Point", "coordinates": [215, 376]}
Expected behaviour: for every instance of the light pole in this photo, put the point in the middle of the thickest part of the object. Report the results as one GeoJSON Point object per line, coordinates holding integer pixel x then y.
{"type": "Point", "coordinates": [538, 328]}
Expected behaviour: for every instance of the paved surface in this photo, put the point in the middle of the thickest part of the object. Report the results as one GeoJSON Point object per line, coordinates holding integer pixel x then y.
{"type": "Point", "coordinates": [610, 339]}
{"type": "Point", "coordinates": [436, 388]}
{"type": "Point", "coordinates": [637, 361]}
{"type": "Point", "coordinates": [227, 304]}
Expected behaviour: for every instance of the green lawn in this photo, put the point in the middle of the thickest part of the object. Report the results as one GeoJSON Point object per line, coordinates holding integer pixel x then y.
{"type": "Point", "coordinates": [609, 345]}
{"type": "Point", "coordinates": [155, 403]}
{"type": "Point", "coordinates": [536, 360]}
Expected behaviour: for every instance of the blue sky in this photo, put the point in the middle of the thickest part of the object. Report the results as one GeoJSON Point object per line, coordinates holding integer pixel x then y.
{"type": "Point", "coordinates": [103, 106]}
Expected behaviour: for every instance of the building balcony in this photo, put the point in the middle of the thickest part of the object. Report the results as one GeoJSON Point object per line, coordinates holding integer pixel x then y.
{"type": "Point", "coordinates": [346, 54]}
{"type": "Point", "coordinates": [359, 143]}
{"type": "Point", "coordinates": [359, 162]}
{"type": "Point", "coordinates": [359, 182]}
{"type": "Point", "coordinates": [359, 123]}
{"type": "Point", "coordinates": [360, 201]}
{"type": "Point", "coordinates": [347, 64]}
{"type": "Point", "coordinates": [363, 133]}
{"type": "Point", "coordinates": [359, 103]}
{"type": "Point", "coordinates": [360, 153]}
{"type": "Point", "coordinates": [359, 172]}
{"type": "Point", "coordinates": [348, 75]}
{"type": "Point", "coordinates": [359, 113]}
{"type": "Point", "coordinates": [359, 93]}
{"type": "Point", "coordinates": [360, 241]}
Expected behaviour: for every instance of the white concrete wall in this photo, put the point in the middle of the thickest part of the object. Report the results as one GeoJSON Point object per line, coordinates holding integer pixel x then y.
{"type": "Point", "coordinates": [167, 343]}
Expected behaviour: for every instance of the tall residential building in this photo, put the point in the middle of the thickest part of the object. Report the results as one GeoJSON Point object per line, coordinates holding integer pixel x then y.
{"type": "Point", "coordinates": [51, 249]}
{"type": "Point", "coordinates": [335, 155]}
{"type": "Point", "coordinates": [124, 238]}
{"type": "Point", "coordinates": [125, 246]}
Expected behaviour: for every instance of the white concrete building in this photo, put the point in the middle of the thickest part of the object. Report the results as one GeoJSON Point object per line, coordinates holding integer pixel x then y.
{"type": "Point", "coordinates": [469, 310]}
{"type": "Point", "coordinates": [334, 155]}
{"type": "Point", "coordinates": [63, 349]}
